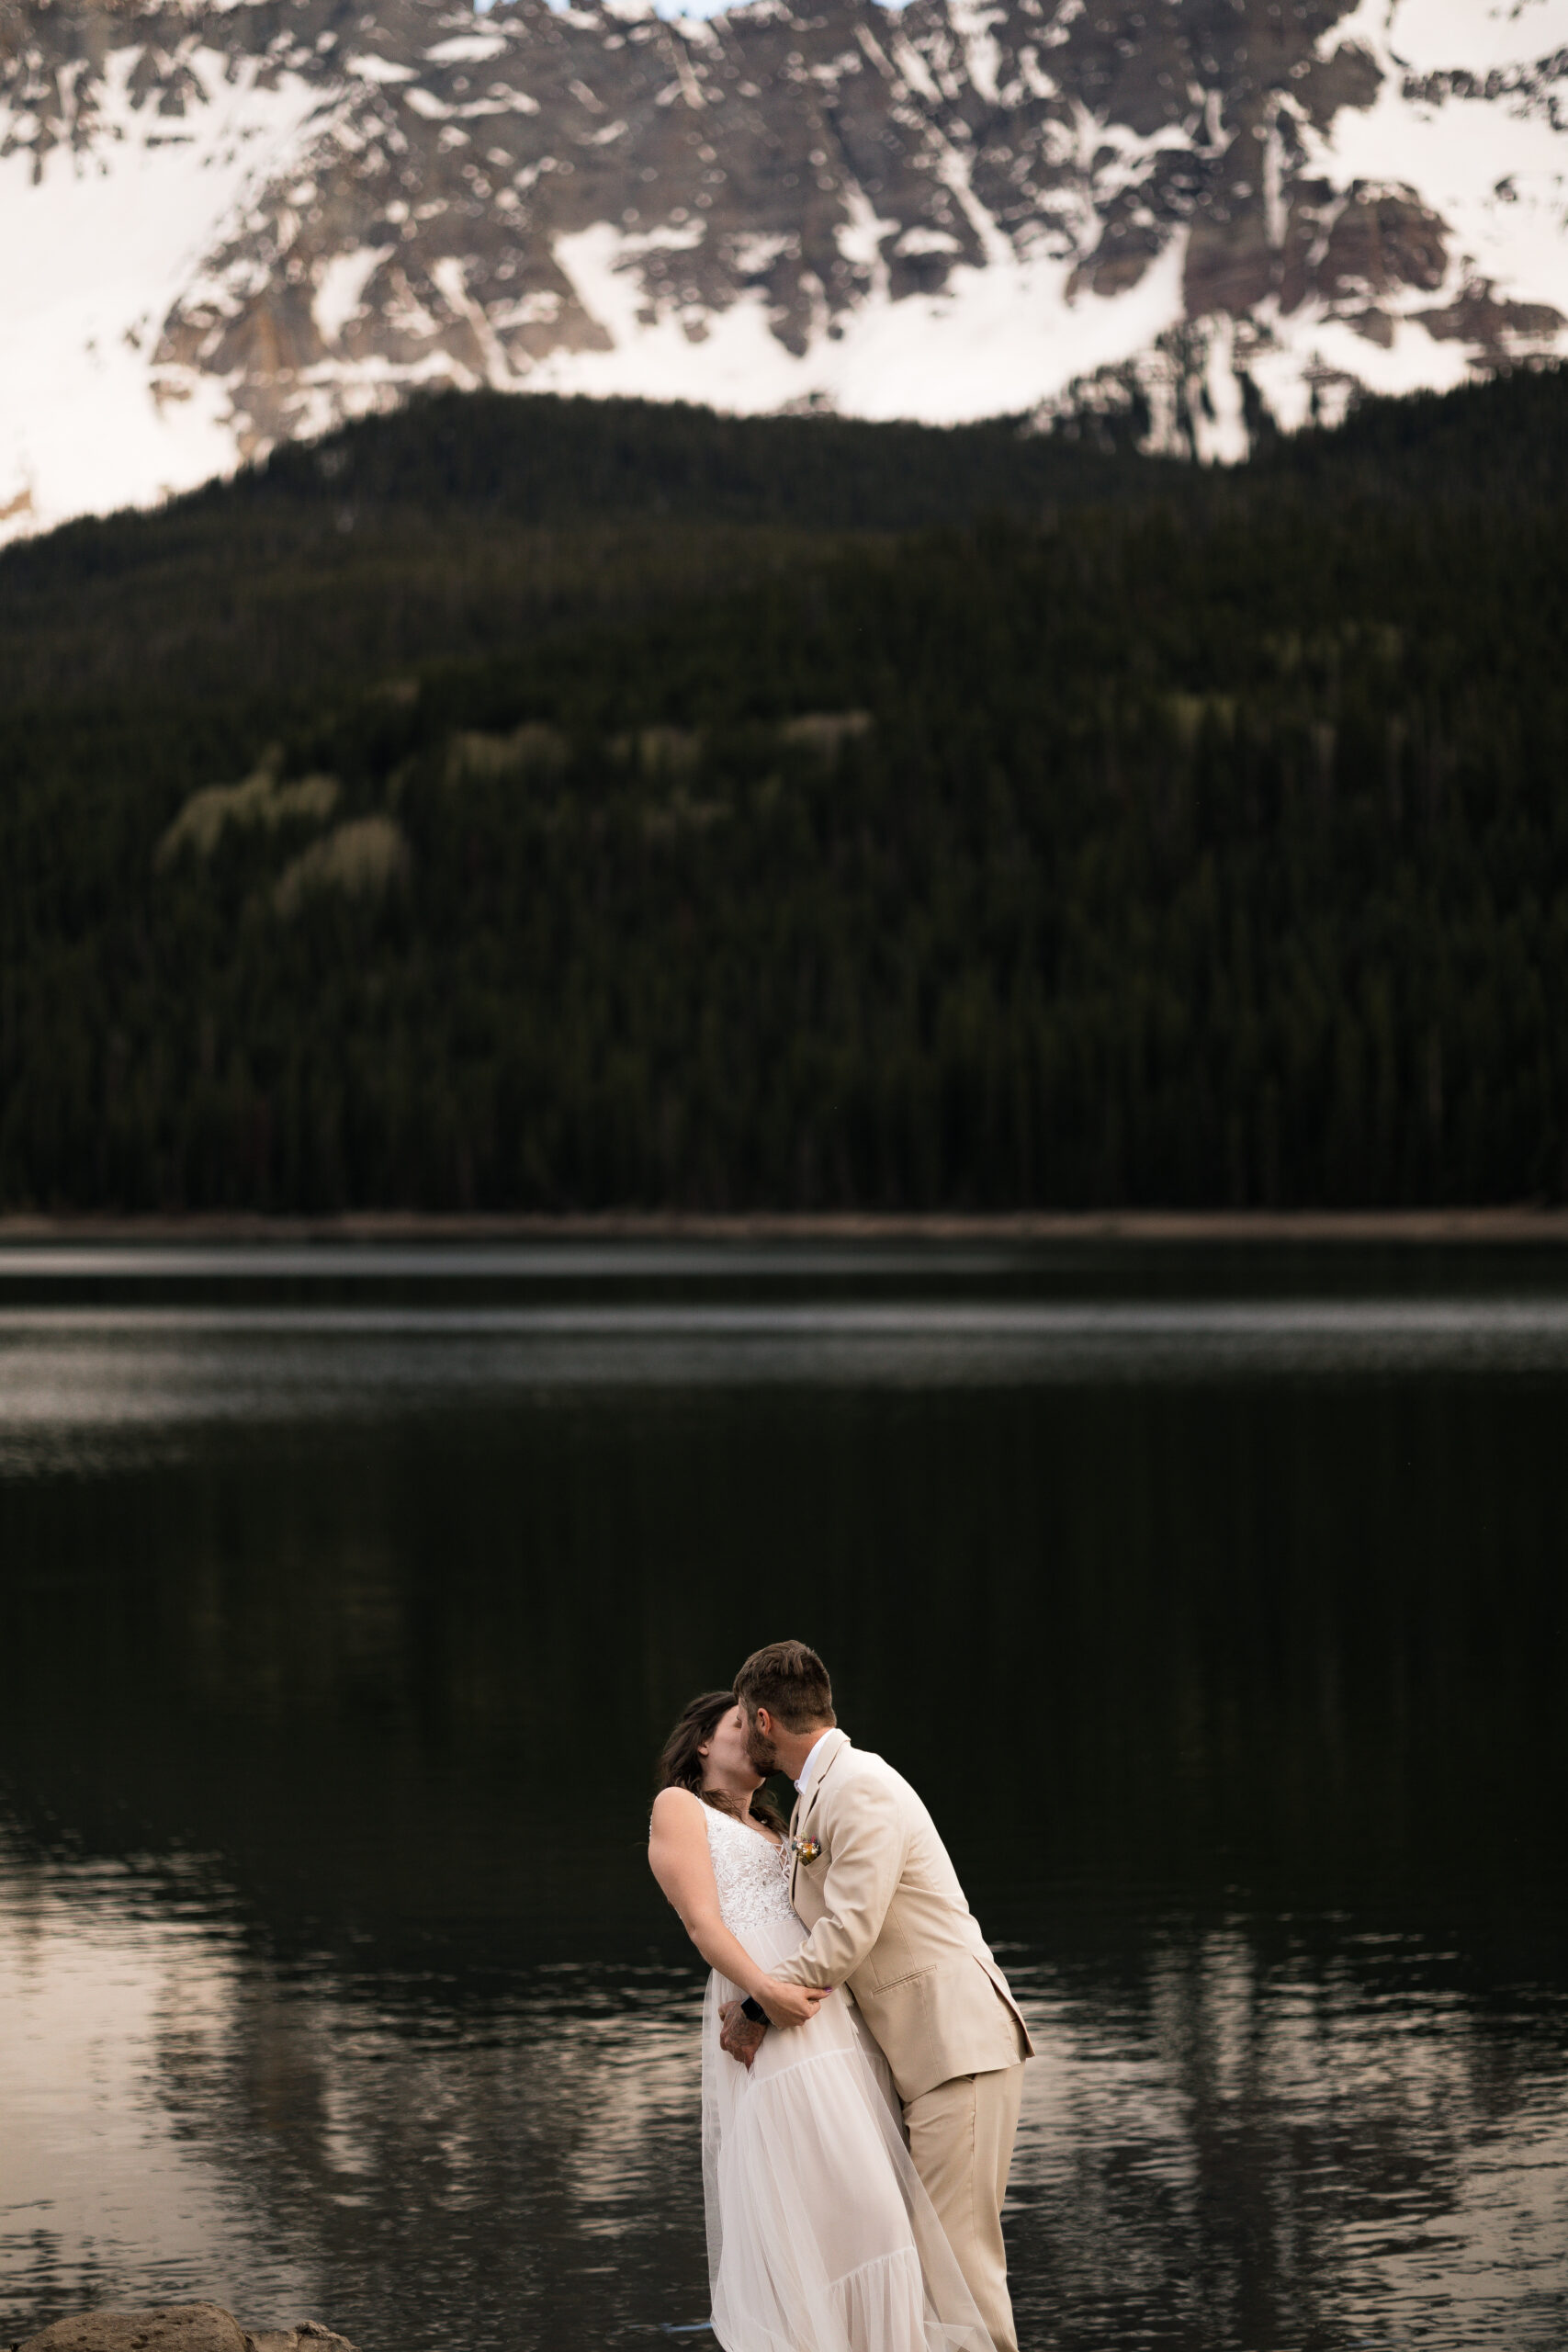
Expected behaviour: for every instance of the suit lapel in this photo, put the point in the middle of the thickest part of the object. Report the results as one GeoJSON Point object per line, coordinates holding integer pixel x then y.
{"type": "Point", "coordinates": [794, 1857]}
{"type": "Point", "coordinates": [804, 1805]}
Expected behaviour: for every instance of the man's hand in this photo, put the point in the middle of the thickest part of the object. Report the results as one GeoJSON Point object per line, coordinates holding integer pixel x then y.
{"type": "Point", "coordinates": [792, 2003]}
{"type": "Point", "coordinates": [737, 2035]}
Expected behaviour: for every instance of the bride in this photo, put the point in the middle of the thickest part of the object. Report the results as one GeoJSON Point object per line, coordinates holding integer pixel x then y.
{"type": "Point", "coordinates": [820, 2235]}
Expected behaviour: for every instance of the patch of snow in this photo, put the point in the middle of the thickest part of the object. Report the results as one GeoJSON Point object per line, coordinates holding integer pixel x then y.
{"type": "Point", "coordinates": [1131, 155]}
{"type": "Point", "coordinates": [994, 342]}
{"type": "Point", "coordinates": [96, 253]}
{"type": "Point", "coordinates": [952, 168]}
{"type": "Point", "coordinates": [1495, 169]}
{"type": "Point", "coordinates": [755, 250]}
{"type": "Point", "coordinates": [875, 52]}
{"type": "Point", "coordinates": [1059, 29]}
{"type": "Point", "coordinates": [367, 68]}
{"type": "Point", "coordinates": [1330, 354]}
{"type": "Point", "coordinates": [981, 48]}
{"type": "Point", "coordinates": [1276, 213]}
{"type": "Point", "coordinates": [541, 309]}
{"type": "Point", "coordinates": [340, 289]}
{"type": "Point", "coordinates": [690, 89]}
{"type": "Point", "coordinates": [1039, 84]}
{"type": "Point", "coordinates": [1219, 427]}
{"type": "Point", "coordinates": [450, 277]}
{"type": "Point", "coordinates": [669, 237]}
{"type": "Point", "coordinates": [860, 238]}
{"type": "Point", "coordinates": [913, 68]}
{"type": "Point", "coordinates": [1475, 36]}
{"type": "Point", "coordinates": [467, 49]}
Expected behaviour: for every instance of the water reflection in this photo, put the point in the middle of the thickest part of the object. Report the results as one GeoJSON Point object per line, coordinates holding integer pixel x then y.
{"type": "Point", "coordinates": [1237, 2152]}
{"type": "Point", "coordinates": [335, 1651]}
{"type": "Point", "coordinates": [116, 1368]}
{"type": "Point", "coordinates": [183, 2121]}
{"type": "Point", "coordinates": [1297, 2151]}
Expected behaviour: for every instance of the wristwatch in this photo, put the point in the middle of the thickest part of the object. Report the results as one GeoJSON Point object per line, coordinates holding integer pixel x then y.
{"type": "Point", "coordinates": [752, 2008]}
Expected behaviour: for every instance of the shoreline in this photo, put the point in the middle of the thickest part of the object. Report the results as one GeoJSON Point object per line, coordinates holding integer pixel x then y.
{"type": "Point", "coordinates": [1312, 1227]}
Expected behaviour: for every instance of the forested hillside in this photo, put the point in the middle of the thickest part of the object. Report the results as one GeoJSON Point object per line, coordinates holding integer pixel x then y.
{"type": "Point", "coordinates": [540, 804]}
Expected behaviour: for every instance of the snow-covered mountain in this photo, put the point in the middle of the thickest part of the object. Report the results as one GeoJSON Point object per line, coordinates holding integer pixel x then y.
{"type": "Point", "coordinates": [222, 221]}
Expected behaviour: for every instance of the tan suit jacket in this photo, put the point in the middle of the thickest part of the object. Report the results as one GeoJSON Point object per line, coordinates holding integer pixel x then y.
{"type": "Point", "coordinates": [887, 1918]}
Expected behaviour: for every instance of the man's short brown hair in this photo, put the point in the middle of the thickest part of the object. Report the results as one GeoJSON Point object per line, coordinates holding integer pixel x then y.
{"type": "Point", "coordinates": [791, 1681]}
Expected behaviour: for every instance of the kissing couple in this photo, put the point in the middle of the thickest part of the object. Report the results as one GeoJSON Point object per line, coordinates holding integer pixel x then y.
{"type": "Point", "coordinates": [862, 2057]}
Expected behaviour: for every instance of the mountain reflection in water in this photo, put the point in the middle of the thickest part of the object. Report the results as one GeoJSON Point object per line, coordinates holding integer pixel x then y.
{"type": "Point", "coordinates": [336, 1647]}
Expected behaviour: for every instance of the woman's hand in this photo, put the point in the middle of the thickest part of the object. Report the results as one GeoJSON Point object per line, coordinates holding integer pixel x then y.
{"type": "Point", "coordinates": [790, 2003]}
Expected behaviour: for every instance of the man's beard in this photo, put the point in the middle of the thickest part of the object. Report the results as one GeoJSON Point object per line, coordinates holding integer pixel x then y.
{"type": "Point", "coordinates": [761, 1753]}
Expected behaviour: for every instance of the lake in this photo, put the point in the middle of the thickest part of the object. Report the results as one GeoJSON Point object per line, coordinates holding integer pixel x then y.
{"type": "Point", "coordinates": [1214, 1600]}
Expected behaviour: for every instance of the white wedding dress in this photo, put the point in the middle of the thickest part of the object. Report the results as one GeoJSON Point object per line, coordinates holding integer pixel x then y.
{"type": "Point", "coordinates": [820, 2235]}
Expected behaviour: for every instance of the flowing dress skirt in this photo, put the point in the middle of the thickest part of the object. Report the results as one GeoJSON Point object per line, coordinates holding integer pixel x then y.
{"type": "Point", "coordinates": [820, 2235]}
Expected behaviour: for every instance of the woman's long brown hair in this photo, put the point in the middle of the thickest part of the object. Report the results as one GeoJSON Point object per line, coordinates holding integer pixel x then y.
{"type": "Point", "coordinates": [681, 1766]}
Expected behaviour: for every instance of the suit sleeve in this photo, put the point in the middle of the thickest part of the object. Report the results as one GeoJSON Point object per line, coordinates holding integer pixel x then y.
{"type": "Point", "coordinates": [868, 1845]}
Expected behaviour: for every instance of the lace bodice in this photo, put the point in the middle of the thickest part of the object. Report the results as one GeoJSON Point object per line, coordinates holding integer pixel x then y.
{"type": "Point", "coordinates": [751, 1875]}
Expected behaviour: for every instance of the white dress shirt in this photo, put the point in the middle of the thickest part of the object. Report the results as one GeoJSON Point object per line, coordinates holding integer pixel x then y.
{"type": "Point", "coordinates": [809, 1765]}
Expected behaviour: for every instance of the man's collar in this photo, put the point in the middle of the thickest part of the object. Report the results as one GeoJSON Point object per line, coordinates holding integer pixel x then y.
{"type": "Point", "coordinates": [813, 1758]}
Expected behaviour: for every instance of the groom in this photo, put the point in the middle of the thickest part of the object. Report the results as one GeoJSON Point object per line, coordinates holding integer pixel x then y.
{"type": "Point", "coordinates": [887, 1917]}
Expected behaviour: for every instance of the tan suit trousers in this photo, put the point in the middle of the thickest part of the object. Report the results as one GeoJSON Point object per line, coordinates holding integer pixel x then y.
{"type": "Point", "coordinates": [961, 2137]}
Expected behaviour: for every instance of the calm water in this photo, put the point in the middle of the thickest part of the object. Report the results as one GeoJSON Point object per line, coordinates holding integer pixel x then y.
{"type": "Point", "coordinates": [1217, 1602]}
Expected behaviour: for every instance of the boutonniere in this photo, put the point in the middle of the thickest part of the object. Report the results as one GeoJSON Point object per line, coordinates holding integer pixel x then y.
{"type": "Point", "coordinates": [804, 1849]}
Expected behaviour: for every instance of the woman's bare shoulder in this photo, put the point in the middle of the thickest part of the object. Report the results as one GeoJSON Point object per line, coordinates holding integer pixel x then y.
{"type": "Point", "coordinates": [677, 1805]}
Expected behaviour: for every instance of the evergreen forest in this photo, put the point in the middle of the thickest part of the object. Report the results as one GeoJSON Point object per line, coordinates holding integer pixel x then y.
{"type": "Point", "coordinates": [534, 804]}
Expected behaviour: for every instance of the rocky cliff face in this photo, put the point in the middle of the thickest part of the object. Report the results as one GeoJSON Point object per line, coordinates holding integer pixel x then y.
{"type": "Point", "coordinates": [228, 220]}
